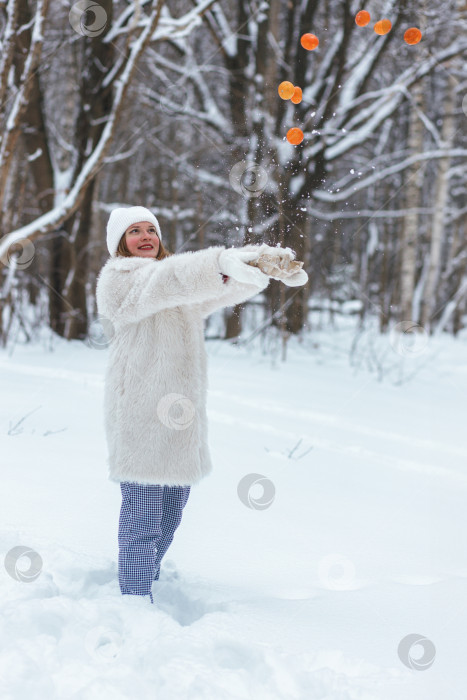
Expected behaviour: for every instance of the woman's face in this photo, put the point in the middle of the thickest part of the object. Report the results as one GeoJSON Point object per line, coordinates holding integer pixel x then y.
{"type": "Point", "coordinates": [142, 240]}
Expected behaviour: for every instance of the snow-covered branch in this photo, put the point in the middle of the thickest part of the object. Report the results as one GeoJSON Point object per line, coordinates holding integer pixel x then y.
{"type": "Point", "coordinates": [387, 172]}
{"type": "Point", "coordinates": [7, 49]}
{"type": "Point", "coordinates": [12, 127]}
{"type": "Point", "coordinates": [360, 127]}
{"type": "Point", "coordinates": [368, 213]}
{"type": "Point", "coordinates": [72, 200]}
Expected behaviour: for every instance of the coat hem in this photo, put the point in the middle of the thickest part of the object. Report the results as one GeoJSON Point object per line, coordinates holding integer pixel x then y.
{"type": "Point", "coordinates": [151, 482]}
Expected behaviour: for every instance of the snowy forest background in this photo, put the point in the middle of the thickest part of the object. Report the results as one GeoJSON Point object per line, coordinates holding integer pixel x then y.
{"type": "Point", "coordinates": [348, 582]}
{"type": "Point", "coordinates": [174, 105]}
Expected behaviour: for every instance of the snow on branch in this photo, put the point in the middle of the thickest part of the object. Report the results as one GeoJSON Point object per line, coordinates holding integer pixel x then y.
{"type": "Point", "coordinates": [229, 46]}
{"type": "Point", "coordinates": [7, 48]}
{"type": "Point", "coordinates": [180, 213]}
{"type": "Point", "coordinates": [451, 306]}
{"type": "Point", "coordinates": [193, 73]}
{"type": "Point", "coordinates": [127, 21]}
{"type": "Point", "coordinates": [368, 213]}
{"type": "Point", "coordinates": [168, 27]}
{"type": "Point", "coordinates": [370, 118]}
{"type": "Point", "coordinates": [91, 166]}
{"type": "Point", "coordinates": [386, 172]}
{"type": "Point", "coordinates": [12, 127]}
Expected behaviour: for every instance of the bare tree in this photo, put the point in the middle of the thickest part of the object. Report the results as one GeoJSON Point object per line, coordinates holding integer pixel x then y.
{"type": "Point", "coordinates": [102, 90]}
{"type": "Point", "coordinates": [184, 116]}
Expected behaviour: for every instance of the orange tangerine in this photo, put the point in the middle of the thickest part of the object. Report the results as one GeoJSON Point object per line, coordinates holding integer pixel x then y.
{"type": "Point", "coordinates": [286, 90]}
{"type": "Point", "coordinates": [295, 136]}
{"type": "Point", "coordinates": [362, 18]}
{"type": "Point", "coordinates": [383, 27]}
{"type": "Point", "coordinates": [309, 41]}
{"type": "Point", "coordinates": [297, 96]}
{"type": "Point", "coordinates": [412, 36]}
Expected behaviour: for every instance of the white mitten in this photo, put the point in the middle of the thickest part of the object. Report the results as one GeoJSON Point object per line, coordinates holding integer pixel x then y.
{"type": "Point", "coordinates": [280, 264]}
{"type": "Point", "coordinates": [233, 262]}
{"type": "Point", "coordinates": [296, 280]}
{"type": "Point", "coordinates": [285, 254]}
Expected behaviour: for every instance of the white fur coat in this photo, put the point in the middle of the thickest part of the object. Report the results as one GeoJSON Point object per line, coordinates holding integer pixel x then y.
{"type": "Point", "coordinates": [156, 380]}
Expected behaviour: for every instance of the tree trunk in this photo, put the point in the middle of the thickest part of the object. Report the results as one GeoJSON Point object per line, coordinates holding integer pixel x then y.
{"type": "Point", "coordinates": [69, 263]}
{"type": "Point", "coordinates": [296, 234]}
{"type": "Point", "coordinates": [428, 309]}
{"type": "Point", "coordinates": [413, 189]}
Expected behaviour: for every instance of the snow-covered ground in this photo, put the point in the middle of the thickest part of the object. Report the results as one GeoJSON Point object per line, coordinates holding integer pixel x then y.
{"type": "Point", "coordinates": [362, 544]}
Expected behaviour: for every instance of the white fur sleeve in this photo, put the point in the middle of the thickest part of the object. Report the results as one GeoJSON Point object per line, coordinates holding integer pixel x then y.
{"type": "Point", "coordinates": [234, 293]}
{"type": "Point", "coordinates": [128, 291]}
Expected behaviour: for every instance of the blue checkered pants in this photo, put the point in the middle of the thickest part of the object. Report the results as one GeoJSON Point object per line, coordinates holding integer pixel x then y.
{"type": "Point", "coordinates": [149, 516]}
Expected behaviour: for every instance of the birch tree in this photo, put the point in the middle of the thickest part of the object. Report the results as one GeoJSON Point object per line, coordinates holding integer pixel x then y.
{"type": "Point", "coordinates": [438, 229]}
{"type": "Point", "coordinates": [354, 85]}
{"type": "Point", "coordinates": [190, 123]}
{"type": "Point", "coordinates": [103, 88]}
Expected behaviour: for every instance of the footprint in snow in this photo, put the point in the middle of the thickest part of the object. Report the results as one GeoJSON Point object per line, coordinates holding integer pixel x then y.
{"type": "Point", "coordinates": [178, 598]}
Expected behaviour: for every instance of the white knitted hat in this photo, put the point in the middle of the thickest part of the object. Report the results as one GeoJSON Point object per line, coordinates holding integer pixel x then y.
{"type": "Point", "coordinates": [121, 218]}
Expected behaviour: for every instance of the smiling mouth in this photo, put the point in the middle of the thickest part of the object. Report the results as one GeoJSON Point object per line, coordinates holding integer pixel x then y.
{"type": "Point", "coordinates": [145, 246]}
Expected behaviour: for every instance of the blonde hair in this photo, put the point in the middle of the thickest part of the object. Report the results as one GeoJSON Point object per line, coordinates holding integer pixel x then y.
{"type": "Point", "coordinates": [123, 251]}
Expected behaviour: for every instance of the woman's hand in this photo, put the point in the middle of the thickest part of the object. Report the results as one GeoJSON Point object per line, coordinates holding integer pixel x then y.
{"type": "Point", "coordinates": [298, 279]}
{"type": "Point", "coordinates": [280, 264]}
{"type": "Point", "coordinates": [242, 265]}
{"type": "Point", "coordinates": [283, 254]}
{"type": "Point", "coordinates": [233, 262]}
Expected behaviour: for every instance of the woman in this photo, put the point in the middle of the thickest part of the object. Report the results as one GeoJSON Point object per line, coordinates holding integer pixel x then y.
{"type": "Point", "coordinates": [156, 385]}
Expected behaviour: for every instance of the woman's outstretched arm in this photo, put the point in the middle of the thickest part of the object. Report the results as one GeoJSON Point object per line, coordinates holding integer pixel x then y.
{"type": "Point", "coordinates": [130, 289]}
{"type": "Point", "coordinates": [234, 293]}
